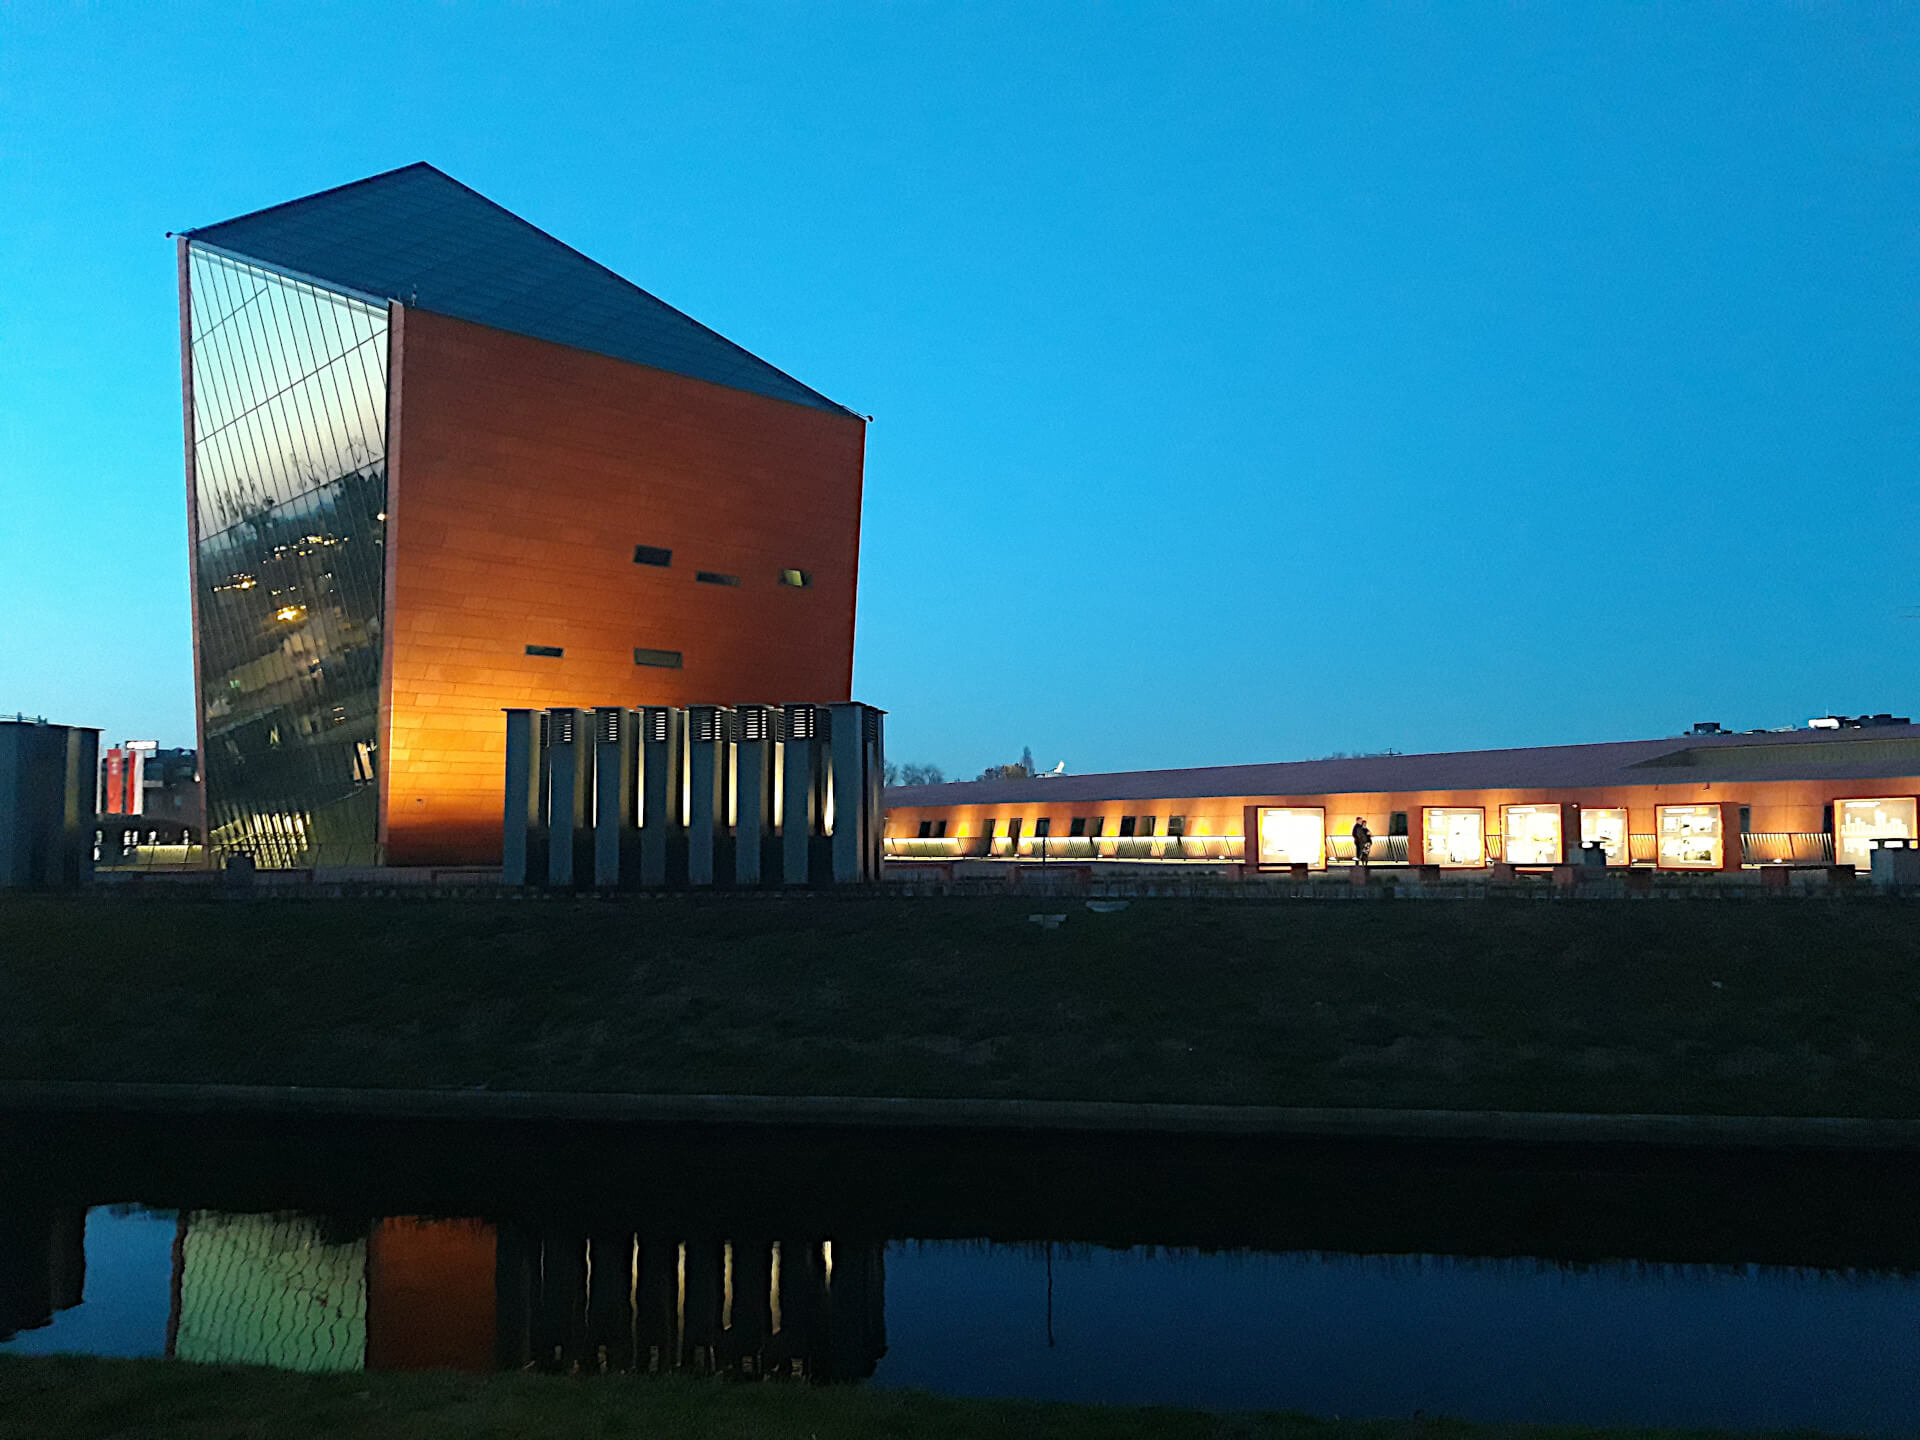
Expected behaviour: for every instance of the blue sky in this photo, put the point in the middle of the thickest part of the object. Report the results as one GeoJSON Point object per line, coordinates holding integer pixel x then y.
{"type": "Point", "coordinates": [1250, 381]}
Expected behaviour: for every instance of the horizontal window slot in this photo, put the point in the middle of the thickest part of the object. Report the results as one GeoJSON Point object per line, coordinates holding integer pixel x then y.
{"type": "Point", "coordinates": [714, 577]}
{"type": "Point", "coordinates": [664, 659]}
{"type": "Point", "coordinates": [551, 652]}
{"type": "Point", "coordinates": [651, 555]}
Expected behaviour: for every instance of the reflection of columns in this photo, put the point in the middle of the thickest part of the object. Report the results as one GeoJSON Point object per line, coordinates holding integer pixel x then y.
{"type": "Point", "coordinates": [569, 776]}
{"type": "Point", "coordinates": [759, 735]}
{"type": "Point", "coordinates": [802, 799]}
{"type": "Point", "coordinates": [662, 838]}
{"type": "Point", "coordinates": [753, 1307]}
{"type": "Point", "coordinates": [523, 848]}
{"type": "Point", "coordinates": [709, 817]}
{"type": "Point", "coordinates": [614, 761]}
{"type": "Point", "coordinates": [609, 1300]}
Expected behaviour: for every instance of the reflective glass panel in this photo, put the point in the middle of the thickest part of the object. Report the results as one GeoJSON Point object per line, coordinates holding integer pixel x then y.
{"type": "Point", "coordinates": [290, 442]}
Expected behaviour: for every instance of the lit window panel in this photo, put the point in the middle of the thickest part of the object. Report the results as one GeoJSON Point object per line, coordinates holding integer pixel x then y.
{"type": "Point", "coordinates": [1454, 838]}
{"type": "Point", "coordinates": [1292, 837]}
{"type": "Point", "coordinates": [1860, 825]}
{"type": "Point", "coordinates": [1533, 834]}
{"type": "Point", "coordinates": [1691, 838]}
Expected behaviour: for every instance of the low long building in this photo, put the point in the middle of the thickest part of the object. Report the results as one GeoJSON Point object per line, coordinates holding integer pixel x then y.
{"type": "Point", "coordinates": [1703, 801]}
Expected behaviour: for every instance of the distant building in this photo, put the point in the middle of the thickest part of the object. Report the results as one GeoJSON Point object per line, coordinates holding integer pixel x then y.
{"type": "Point", "coordinates": [441, 465]}
{"type": "Point", "coordinates": [150, 804]}
{"type": "Point", "coordinates": [1709, 800]}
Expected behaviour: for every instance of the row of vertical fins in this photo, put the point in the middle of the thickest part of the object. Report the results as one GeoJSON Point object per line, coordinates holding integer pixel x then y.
{"type": "Point", "coordinates": [710, 795]}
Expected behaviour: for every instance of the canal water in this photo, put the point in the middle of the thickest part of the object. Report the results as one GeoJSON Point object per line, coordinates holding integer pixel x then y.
{"type": "Point", "coordinates": [1547, 1286]}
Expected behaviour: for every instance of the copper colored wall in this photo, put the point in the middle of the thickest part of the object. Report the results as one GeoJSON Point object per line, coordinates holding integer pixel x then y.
{"type": "Point", "coordinates": [524, 474]}
{"type": "Point", "coordinates": [430, 1295]}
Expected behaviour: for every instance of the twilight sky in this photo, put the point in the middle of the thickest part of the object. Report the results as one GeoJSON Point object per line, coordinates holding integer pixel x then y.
{"type": "Point", "coordinates": [1251, 382]}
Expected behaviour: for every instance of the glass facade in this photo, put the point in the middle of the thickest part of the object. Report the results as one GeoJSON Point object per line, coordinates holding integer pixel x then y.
{"type": "Point", "coordinates": [290, 446]}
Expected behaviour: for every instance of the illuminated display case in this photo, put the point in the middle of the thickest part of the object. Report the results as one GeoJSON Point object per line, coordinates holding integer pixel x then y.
{"type": "Point", "coordinates": [1534, 834]}
{"type": "Point", "coordinates": [1608, 829]}
{"type": "Point", "coordinates": [1292, 837]}
{"type": "Point", "coordinates": [1857, 824]}
{"type": "Point", "coordinates": [1454, 838]}
{"type": "Point", "coordinates": [1692, 837]}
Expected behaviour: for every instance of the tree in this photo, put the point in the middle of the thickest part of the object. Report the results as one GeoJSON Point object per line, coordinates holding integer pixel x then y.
{"type": "Point", "coordinates": [915, 773]}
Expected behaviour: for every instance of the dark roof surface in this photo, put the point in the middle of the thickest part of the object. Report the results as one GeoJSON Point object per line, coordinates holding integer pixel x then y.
{"type": "Point", "coordinates": [419, 236]}
{"type": "Point", "coordinates": [1872, 753]}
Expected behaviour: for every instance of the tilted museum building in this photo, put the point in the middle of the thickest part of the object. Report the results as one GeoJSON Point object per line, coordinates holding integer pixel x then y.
{"type": "Point", "coordinates": [440, 465]}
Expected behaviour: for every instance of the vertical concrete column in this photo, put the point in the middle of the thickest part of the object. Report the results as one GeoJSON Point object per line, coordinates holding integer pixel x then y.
{"type": "Point", "coordinates": [758, 727]}
{"type": "Point", "coordinates": [663, 839]}
{"type": "Point", "coordinates": [709, 776]}
{"type": "Point", "coordinates": [82, 756]}
{"type": "Point", "coordinates": [522, 842]}
{"type": "Point", "coordinates": [569, 782]}
{"type": "Point", "coordinates": [859, 770]}
{"type": "Point", "coordinates": [802, 791]}
{"type": "Point", "coordinates": [615, 773]}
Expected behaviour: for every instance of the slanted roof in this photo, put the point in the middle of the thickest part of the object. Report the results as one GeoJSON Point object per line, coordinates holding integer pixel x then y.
{"type": "Point", "coordinates": [1877, 752]}
{"type": "Point", "coordinates": [419, 236]}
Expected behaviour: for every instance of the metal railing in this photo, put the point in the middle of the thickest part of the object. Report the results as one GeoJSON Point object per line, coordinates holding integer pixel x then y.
{"type": "Point", "coordinates": [1787, 848]}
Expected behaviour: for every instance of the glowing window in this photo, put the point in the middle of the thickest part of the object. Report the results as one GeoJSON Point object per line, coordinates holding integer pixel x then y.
{"type": "Point", "coordinates": [1607, 828]}
{"type": "Point", "coordinates": [798, 579]}
{"type": "Point", "coordinates": [1861, 823]}
{"type": "Point", "coordinates": [1690, 837]}
{"type": "Point", "coordinates": [1533, 834]}
{"type": "Point", "coordinates": [1292, 837]}
{"type": "Point", "coordinates": [1454, 838]}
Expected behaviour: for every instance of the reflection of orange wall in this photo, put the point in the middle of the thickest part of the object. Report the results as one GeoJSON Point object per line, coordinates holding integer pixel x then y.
{"type": "Point", "coordinates": [1778, 806]}
{"type": "Point", "coordinates": [524, 474]}
{"type": "Point", "coordinates": [430, 1295]}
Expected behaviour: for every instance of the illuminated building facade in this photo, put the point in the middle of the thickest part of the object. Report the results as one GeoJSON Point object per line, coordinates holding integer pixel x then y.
{"type": "Point", "coordinates": [1710, 801]}
{"type": "Point", "coordinates": [440, 465]}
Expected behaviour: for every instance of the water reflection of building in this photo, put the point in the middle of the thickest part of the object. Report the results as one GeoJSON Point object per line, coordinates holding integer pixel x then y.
{"type": "Point", "coordinates": [404, 1294]}
{"type": "Point", "coordinates": [43, 1265]}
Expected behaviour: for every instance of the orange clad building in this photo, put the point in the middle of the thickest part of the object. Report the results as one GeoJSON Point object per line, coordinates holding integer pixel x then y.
{"type": "Point", "coordinates": [440, 465]}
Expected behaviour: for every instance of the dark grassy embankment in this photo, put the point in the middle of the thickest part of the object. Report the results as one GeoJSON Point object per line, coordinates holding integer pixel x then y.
{"type": "Point", "coordinates": [83, 1399]}
{"type": "Point", "coordinates": [1674, 1007]}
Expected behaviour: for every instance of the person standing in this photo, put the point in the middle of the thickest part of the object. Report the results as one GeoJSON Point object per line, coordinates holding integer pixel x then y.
{"type": "Point", "coordinates": [1362, 841]}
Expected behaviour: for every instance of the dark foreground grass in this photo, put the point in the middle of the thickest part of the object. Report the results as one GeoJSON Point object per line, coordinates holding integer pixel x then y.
{"type": "Point", "coordinates": [1789, 1008]}
{"type": "Point", "coordinates": [87, 1399]}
